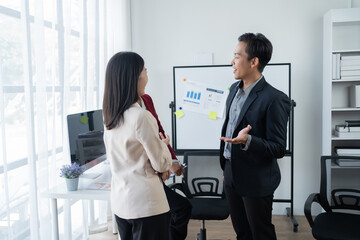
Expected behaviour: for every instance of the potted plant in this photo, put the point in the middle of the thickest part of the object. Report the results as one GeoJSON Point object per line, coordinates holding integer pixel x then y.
{"type": "Point", "coordinates": [71, 174]}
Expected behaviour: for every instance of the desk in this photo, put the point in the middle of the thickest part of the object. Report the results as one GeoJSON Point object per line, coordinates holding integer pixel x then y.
{"type": "Point", "coordinates": [83, 193]}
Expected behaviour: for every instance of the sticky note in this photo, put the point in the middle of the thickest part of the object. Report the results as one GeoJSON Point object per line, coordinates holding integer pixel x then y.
{"type": "Point", "coordinates": [84, 119]}
{"type": "Point", "coordinates": [212, 115]}
{"type": "Point", "coordinates": [179, 113]}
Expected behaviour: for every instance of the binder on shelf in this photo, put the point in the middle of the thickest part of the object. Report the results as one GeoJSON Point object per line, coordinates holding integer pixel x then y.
{"type": "Point", "coordinates": [333, 75]}
{"type": "Point", "coordinates": [336, 66]}
{"type": "Point", "coordinates": [354, 96]}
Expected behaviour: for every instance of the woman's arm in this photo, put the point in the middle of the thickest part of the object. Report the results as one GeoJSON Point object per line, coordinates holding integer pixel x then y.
{"type": "Point", "coordinates": [157, 151]}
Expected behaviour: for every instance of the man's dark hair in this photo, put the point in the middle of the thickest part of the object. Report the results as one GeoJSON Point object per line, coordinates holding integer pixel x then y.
{"type": "Point", "coordinates": [257, 46]}
{"type": "Point", "coordinates": [121, 84]}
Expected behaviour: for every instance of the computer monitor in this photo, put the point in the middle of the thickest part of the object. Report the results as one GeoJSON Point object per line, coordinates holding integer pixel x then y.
{"type": "Point", "coordinates": [86, 143]}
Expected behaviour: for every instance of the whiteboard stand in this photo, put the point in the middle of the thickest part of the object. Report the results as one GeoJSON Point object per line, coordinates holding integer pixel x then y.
{"type": "Point", "coordinates": [290, 210]}
{"type": "Point", "coordinates": [183, 135]}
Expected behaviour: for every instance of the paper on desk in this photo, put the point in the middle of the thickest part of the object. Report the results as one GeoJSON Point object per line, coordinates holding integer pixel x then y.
{"type": "Point", "coordinates": [100, 186]}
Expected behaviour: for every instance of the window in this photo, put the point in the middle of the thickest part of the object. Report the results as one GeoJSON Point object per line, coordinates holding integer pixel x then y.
{"type": "Point", "coordinates": [51, 65]}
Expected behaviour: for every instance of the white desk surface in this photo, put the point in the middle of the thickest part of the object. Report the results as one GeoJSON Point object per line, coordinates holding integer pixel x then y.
{"type": "Point", "coordinates": [60, 192]}
{"type": "Point", "coordinates": [86, 185]}
{"type": "Point", "coordinates": [84, 192]}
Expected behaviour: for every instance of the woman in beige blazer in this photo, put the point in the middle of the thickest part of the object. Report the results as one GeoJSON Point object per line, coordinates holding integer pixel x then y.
{"type": "Point", "coordinates": [137, 155]}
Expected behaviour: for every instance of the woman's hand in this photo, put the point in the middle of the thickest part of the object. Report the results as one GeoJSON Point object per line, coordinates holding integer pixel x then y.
{"type": "Point", "coordinates": [177, 169]}
{"type": "Point", "coordinates": [165, 175]}
{"type": "Point", "coordinates": [166, 139]}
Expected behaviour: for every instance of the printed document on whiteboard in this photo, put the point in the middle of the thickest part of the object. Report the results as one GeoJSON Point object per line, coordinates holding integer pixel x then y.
{"type": "Point", "coordinates": [204, 99]}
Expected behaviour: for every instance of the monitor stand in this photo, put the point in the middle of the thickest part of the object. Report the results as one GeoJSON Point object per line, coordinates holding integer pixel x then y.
{"type": "Point", "coordinates": [90, 175]}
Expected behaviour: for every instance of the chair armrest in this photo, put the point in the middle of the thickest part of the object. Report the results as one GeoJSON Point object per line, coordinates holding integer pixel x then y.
{"type": "Point", "coordinates": [314, 197]}
{"type": "Point", "coordinates": [177, 186]}
{"type": "Point", "coordinates": [181, 187]}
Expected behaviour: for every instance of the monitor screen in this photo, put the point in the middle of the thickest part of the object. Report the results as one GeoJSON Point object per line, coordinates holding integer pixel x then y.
{"type": "Point", "coordinates": [86, 131]}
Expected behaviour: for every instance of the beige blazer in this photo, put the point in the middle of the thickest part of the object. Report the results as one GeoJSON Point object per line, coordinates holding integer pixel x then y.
{"type": "Point", "coordinates": [135, 152]}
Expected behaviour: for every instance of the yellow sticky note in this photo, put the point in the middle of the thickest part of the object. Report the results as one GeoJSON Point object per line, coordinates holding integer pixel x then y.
{"type": "Point", "coordinates": [84, 119]}
{"type": "Point", "coordinates": [179, 113]}
{"type": "Point", "coordinates": [212, 115]}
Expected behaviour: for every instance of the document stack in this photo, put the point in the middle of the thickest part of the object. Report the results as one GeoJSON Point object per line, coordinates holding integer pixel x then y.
{"type": "Point", "coordinates": [350, 67]}
{"type": "Point", "coordinates": [345, 67]}
{"type": "Point", "coordinates": [351, 129]}
{"type": "Point", "coordinates": [348, 151]}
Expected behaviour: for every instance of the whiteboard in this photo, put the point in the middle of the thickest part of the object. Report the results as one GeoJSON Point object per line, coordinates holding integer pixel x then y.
{"type": "Point", "coordinates": [195, 130]}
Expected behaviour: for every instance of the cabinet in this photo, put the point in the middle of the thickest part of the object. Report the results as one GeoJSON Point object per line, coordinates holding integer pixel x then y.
{"type": "Point", "coordinates": [342, 37]}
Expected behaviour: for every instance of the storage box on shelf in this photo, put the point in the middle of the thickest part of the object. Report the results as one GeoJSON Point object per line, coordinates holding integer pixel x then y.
{"type": "Point", "coordinates": [349, 151]}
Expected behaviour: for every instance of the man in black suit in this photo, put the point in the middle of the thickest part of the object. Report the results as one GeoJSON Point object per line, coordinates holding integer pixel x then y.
{"type": "Point", "coordinates": [253, 138]}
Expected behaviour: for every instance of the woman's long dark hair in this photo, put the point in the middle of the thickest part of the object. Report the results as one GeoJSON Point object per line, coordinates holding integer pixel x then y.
{"type": "Point", "coordinates": [121, 84]}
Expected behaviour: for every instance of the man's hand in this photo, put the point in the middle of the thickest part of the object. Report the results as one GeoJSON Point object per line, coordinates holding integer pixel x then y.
{"type": "Point", "coordinates": [241, 137]}
{"type": "Point", "coordinates": [177, 169]}
{"type": "Point", "coordinates": [166, 139]}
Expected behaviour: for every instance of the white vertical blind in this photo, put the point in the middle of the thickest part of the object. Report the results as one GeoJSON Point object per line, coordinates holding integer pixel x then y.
{"type": "Point", "coordinates": [29, 116]}
{"type": "Point", "coordinates": [53, 55]}
{"type": "Point", "coordinates": [3, 159]}
{"type": "Point", "coordinates": [40, 107]}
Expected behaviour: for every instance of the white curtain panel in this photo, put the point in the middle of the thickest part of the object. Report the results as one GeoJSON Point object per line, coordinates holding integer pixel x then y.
{"type": "Point", "coordinates": [53, 55]}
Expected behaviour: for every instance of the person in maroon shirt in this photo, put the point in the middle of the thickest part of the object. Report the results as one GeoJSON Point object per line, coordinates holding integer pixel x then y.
{"type": "Point", "coordinates": [180, 207]}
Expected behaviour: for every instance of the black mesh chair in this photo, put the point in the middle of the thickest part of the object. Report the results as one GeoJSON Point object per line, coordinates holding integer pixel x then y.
{"type": "Point", "coordinates": [202, 184]}
{"type": "Point", "coordinates": [341, 218]}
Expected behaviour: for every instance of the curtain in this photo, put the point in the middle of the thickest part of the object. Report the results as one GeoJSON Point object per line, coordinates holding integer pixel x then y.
{"type": "Point", "coordinates": [53, 55]}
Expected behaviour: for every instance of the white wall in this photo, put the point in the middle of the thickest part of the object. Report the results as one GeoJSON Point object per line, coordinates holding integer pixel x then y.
{"type": "Point", "coordinates": [170, 33]}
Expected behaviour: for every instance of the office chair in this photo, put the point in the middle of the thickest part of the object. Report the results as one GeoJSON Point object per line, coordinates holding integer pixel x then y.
{"type": "Point", "coordinates": [202, 184]}
{"type": "Point", "coordinates": [341, 217]}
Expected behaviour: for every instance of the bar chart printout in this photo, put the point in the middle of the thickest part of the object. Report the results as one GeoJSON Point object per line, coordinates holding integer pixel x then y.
{"type": "Point", "coordinates": [193, 95]}
{"type": "Point", "coordinates": [203, 99]}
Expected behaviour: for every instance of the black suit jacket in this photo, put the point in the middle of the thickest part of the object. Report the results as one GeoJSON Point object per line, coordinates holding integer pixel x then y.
{"type": "Point", "coordinates": [255, 171]}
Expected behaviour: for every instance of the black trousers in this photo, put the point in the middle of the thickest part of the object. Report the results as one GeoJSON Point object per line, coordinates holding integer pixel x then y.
{"type": "Point", "coordinates": [180, 209]}
{"type": "Point", "coordinates": [250, 216]}
{"type": "Point", "coordinates": [147, 228]}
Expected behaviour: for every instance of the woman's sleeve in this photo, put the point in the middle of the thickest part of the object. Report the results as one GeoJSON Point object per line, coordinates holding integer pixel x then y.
{"type": "Point", "coordinates": [150, 106]}
{"type": "Point", "coordinates": [157, 151]}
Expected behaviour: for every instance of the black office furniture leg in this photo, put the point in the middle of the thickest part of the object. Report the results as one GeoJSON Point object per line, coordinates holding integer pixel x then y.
{"type": "Point", "coordinates": [290, 214]}
{"type": "Point", "coordinates": [290, 211]}
{"type": "Point", "coordinates": [202, 234]}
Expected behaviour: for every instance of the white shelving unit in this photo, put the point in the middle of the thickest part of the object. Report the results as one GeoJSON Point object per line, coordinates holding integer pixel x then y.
{"type": "Point", "coordinates": [341, 36]}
